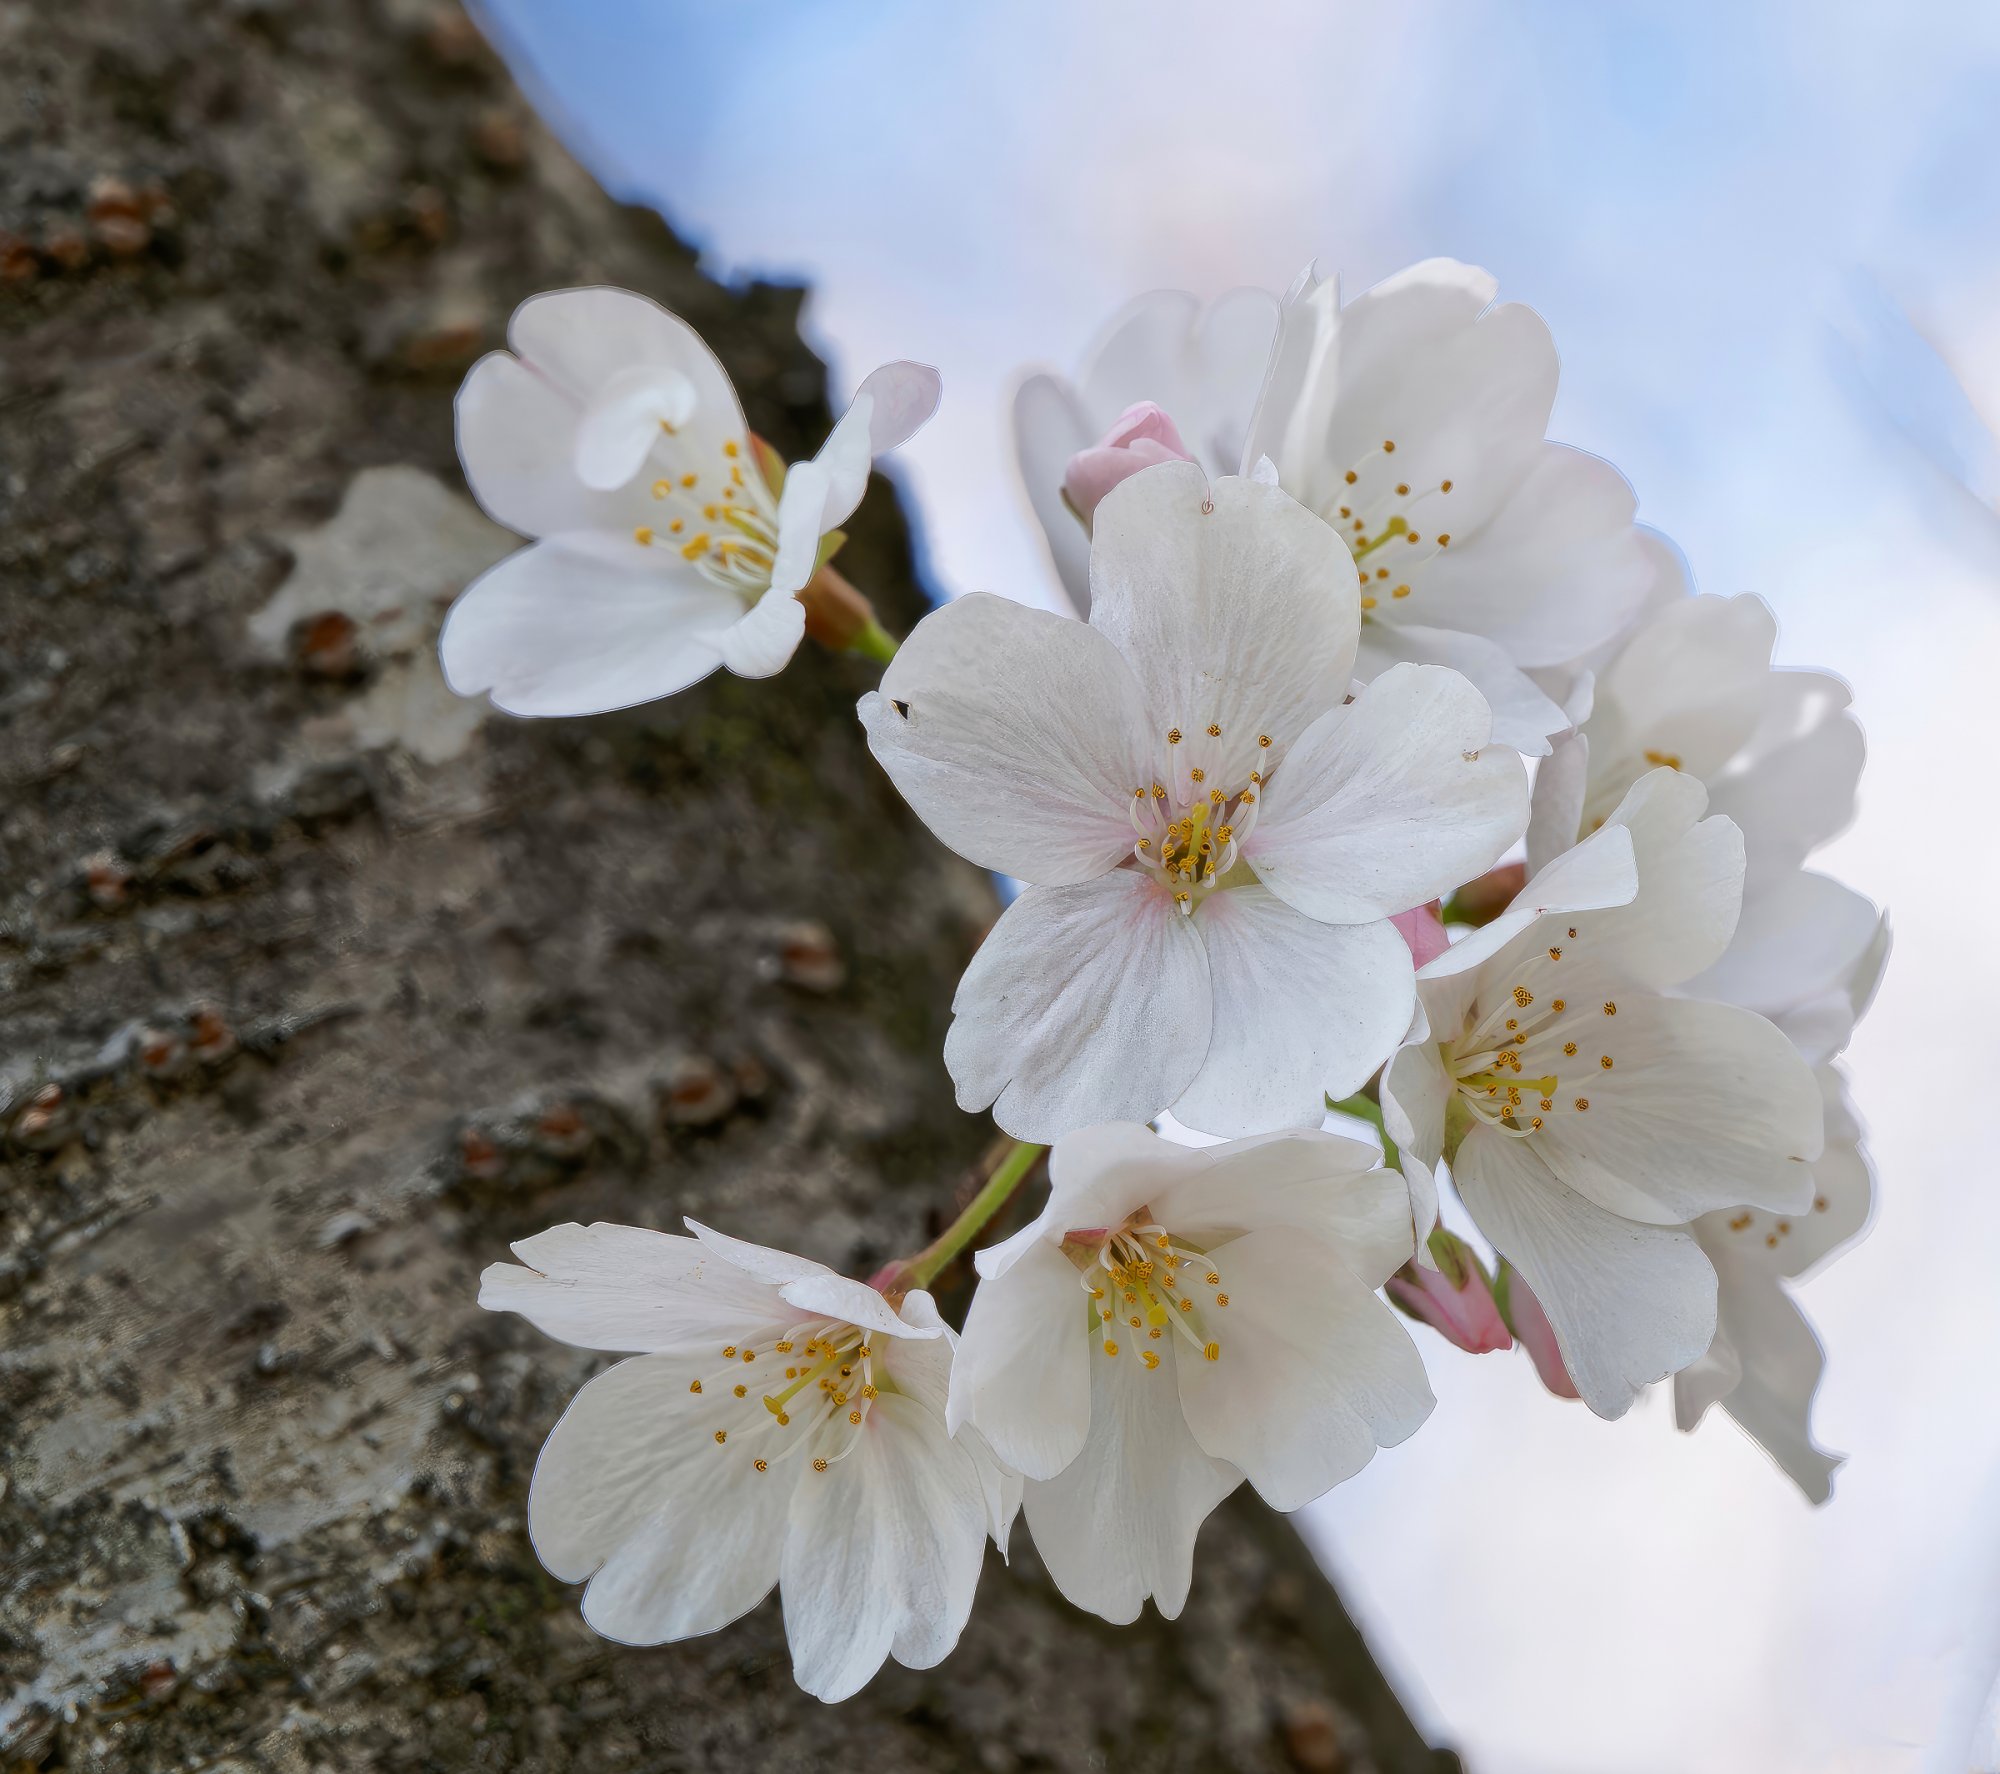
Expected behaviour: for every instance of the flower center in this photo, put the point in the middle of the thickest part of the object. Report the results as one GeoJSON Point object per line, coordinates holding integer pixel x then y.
{"type": "Point", "coordinates": [809, 1389]}
{"type": "Point", "coordinates": [720, 515]}
{"type": "Point", "coordinates": [1509, 1065]}
{"type": "Point", "coordinates": [1143, 1284]}
{"type": "Point", "coordinates": [1373, 510]}
{"type": "Point", "coordinates": [1190, 835]}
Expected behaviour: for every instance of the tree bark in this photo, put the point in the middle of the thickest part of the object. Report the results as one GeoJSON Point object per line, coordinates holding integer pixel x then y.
{"type": "Point", "coordinates": [319, 986]}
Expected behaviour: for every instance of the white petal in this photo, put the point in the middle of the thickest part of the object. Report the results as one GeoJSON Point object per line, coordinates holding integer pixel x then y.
{"type": "Point", "coordinates": [1793, 795]}
{"type": "Point", "coordinates": [1523, 715]}
{"type": "Point", "coordinates": [1598, 873]}
{"type": "Point", "coordinates": [1389, 802]}
{"type": "Point", "coordinates": [1021, 1376]}
{"type": "Point", "coordinates": [1118, 1523]}
{"type": "Point", "coordinates": [1018, 736]}
{"type": "Point", "coordinates": [682, 1533]}
{"type": "Point", "coordinates": [1463, 399]}
{"type": "Point", "coordinates": [1688, 685]}
{"type": "Point", "coordinates": [1557, 571]}
{"type": "Point", "coordinates": [517, 442]}
{"type": "Point", "coordinates": [622, 423]}
{"type": "Point", "coordinates": [922, 1369]}
{"type": "Point", "coordinates": [1322, 1183]}
{"type": "Point", "coordinates": [1690, 884]}
{"type": "Point", "coordinates": [811, 1287]}
{"type": "Point", "coordinates": [1049, 428]}
{"type": "Point", "coordinates": [802, 523]}
{"type": "Point", "coordinates": [1100, 1175]}
{"type": "Point", "coordinates": [1303, 1011]}
{"type": "Point", "coordinates": [1085, 1003]}
{"type": "Point", "coordinates": [901, 398]}
{"type": "Point", "coordinates": [1764, 1370]}
{"type": "Point", "coordinates": [626, 1288]}
{"type": "Point", "coordinates": [1629, 1303]}
{"type": "Point", "coordinates": [882, 1552]}
{"type": "Point", "coordinates": [1313, 1372]}
{"type": "Point", "coordinates": [761, 642]}
{"type": "Point", "coordinates": [1556, 816]}
{"type": "Point", "coordinates": [1236, 607]}
{"type": "Point", "coordinates": [1705, 1106]}
{"type": "Point", "coordinates": [1800, 939]}
{"type": "Point", "coordinates": [1415, 1093]}
{"type": "Point", "coordinates": [569, 627]}
{"type": "Point", "coordinates": [581, 339]}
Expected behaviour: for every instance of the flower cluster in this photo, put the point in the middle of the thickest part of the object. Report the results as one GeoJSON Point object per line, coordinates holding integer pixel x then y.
{"type": "Point", "coordinates": [1332, 670]}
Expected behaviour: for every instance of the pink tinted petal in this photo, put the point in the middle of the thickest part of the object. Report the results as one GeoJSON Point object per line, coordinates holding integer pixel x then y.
{"type": "Point", "coordinates": [1531, 1324]}
{"type": "Point", "coordinates": [1424, 931]}
{"type": "Point", "coordinates": [1454, 1299]}
{"type": "Point", "coordinates": [1142, 436]}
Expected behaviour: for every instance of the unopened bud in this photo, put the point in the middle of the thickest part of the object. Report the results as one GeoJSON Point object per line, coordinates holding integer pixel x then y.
{"type": "Point", "coordinates": [1143, 436]}
{"type": "Point", "coordinates": [1454, 1299]}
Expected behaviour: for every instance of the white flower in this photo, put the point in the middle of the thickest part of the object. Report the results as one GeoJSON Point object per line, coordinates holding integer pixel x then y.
{"type": "Point", "coordinates": [611, 433]}
{"type": "Point", "coordinates": [782, 1424]}
{"type": "Point", "coordinates": [1587, 1114]}
{"type": "Point", "coordinates": [1214, 844]}
{"type": "Point", "coordinates": [1415, 420]}
{"type": "Point", "coordinates": [1201, 365]}
{"type": "Point", "coordinates": [1177, 1320]}
{"type": "Point", "coordinates": [1765, 1362]}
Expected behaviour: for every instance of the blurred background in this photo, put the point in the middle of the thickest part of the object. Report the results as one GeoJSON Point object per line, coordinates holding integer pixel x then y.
{"type": "Point", "coordinates": [1767, 239]}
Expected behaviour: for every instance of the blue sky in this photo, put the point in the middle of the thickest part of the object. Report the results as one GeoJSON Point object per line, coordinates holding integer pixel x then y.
{"type": "Point", "coordinates": [1711, 204]}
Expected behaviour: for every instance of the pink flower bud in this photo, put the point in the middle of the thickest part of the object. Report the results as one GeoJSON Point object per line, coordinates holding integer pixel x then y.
{"type": "Point", "coordinates": [1530, 1323]}
{"type": "Point", "coordinates": [1454, 1298]}
{"type": "Point", "coordinates": [1423, 931]}
{"type": "Point", "coordinates": [1143, 436]}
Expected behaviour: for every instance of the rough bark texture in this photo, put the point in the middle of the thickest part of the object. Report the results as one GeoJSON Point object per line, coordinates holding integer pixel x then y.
{"type": "Point", "coordinates": [319, 987]}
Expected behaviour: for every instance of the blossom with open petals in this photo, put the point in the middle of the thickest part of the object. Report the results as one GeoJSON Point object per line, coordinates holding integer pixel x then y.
{"type": "Point", "coordinates": [780, 1424]}
{"type": "Point", "coordinates": [1589, 1115]}
{"type": "Point", "coordinates": [1214, 841]}
{"type": "Point", "coordinates": [1178, 1319]}
{"type": "Point", "coordinates": [612, 435]}
{"type": "Point", "coordinates": [1415, 420]}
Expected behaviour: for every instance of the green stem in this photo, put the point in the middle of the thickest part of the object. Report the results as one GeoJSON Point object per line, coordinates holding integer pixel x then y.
{"type": "Point", "coordinates": [874, 642]}
{"type": "Point", "coordinates": [921, 1269]}
{"type": "Point", "coordinates": [1366, 1108]}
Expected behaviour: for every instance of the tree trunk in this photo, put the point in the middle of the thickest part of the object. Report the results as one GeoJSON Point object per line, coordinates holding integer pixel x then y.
{"type": "Point", "coordinates": [319, 986]}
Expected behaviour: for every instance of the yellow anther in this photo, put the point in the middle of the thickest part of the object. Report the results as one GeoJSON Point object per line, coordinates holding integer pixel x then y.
{"type": "Point", "coordinates": [1213, 1278]}
{"type": "Point", "coordinates": [1110, 1348]}
{"type": "Point", "coordinates": [819, 1465]}
{"type": "Point", "coordinates": [696, 546]}
{"type": "Point", "coordinates": [868, 1392]}
{"type": "Point", "coordinates": [729, 449]}
{"type": "Point", "coordinates": [1368, 603]}
{"type": "Point", "coordinates": [784, 1348]}
{"type": "Point", "coordinates": [1444, 539]}
{"type": "Point", "coordinates": [721, 1435]}
{"type": "Point", "coordinates": [1558, 1005]}
{"type": "Point", "coordinates": [688, 480]}
{"type": "Point", "coordinates": [1604, 1060]}
{"type": "Point", "coordinates": [741, 1391]}
{"type": "Point", "coordinates": [676, 526]}
{"type": "Point", "coordinates": [854, 1416]}
{"type": "Point", "coordinates": [1352, 477]}
{"type": "Point", "coordinates": [711, 512]}
{"type": "Point", "coordinates": [661, 488]}
{"type": "Point", "coordinates": [762, 1465]}
{"type": "Point", "coordinates": [1400, 591]}
{"type": "Point", "coordinates": [1555, 954]}
{"type": "Point", "coordinates": [1222, 1299]}
{"type": "Point", "coordinates": [1214, 732]}
{"type": "Point", "coordinates": [1197, 776]}
{"type": "Point", "coordinates": [729, 1352]}
{"type": "Point", "coordinates": [1582, 1103]}
{"type": "Point", "coordinates": [1523, 997]}
{"type": "Point", "coordinates": [1173, 736]}
{"type": "Point", "coordinates": [1149, 1358]}
{"type": "Point", "coordinates": [1388, 446]}
{"type": "Point", "coordinates": [1445, 488]}
{"type": "Point", "coordinates": [1610, 1009]}
{"type": "Point", "coordinates": [1402, 489]}
{"type": "Point", "coordinates": [694, 1386]}
{"type": "Point", "coordinates": [1211, 1352]}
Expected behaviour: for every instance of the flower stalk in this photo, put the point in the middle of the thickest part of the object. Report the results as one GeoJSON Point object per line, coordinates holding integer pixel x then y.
{"type": "Point", "coordinates": [1018, 1158]}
